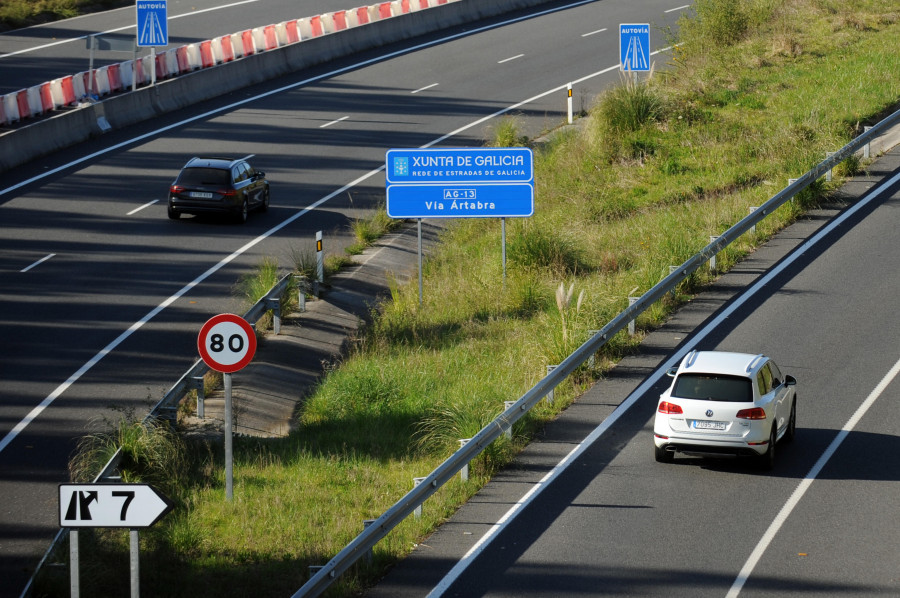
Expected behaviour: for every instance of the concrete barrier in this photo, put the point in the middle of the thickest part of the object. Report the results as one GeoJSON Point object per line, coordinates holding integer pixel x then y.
{"type": "Point", "coordinates": [67, 128]}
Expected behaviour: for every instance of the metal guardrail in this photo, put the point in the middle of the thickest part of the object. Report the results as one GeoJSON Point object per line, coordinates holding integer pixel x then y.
{"type": "Point", "coordinates": [413, 499]}
{"type": "Point", "coordinates": [166, 408]}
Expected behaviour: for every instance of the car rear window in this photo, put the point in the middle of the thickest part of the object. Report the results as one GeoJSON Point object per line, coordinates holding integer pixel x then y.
{"type": "Point", "coordinates": [191, 177]}
{"type": "Point", "coordinates": [734, 389]}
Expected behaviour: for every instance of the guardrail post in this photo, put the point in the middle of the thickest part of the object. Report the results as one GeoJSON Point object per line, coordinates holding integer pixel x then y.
{"type": "Point", "coordinates": [370, 555]}
{"type": "Point", "coordinates": [551, 396]}
{"type": "Point", "coordinates": [866, 148]}
{"type": "Point", "coordinates": [791, 182]}
{"type": "Point", "coordinates": [753, 209]}
{"type": "Point", "coordinates": [712, 260]}
{"type": "Point", "coordinates": [828, 174]}
{"type": "Point", "coordinates": [313, 569]}
{"type": "Point", "coordinates": [592, 360]}
{"type": "Point", "coordinates": [275, 305]}
{"type": "Point", "coordinates": [197, 384]}
{"type": "Point", "coordinates": [464, 472]}
{"type": "Point", "coordinates": [631, 301]}
{"type": "Point", "coordinates": [301, 292]}
{"type": "Point", "coordinates": [508, 431]}
{"type": "Point", "coordinates": [418, 512]}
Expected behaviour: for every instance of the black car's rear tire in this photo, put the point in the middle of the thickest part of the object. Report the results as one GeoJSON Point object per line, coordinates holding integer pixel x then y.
{"type": "Point", "coordinates": [241, 215]}
{"type": "Point", "coordinates": [173, 214]}
{"type": "Point", "coordinates": [265, 202]}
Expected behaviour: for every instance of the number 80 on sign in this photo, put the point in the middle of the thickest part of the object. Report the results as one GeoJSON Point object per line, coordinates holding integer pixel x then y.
{"type": "Point", "coordinates": [226, 343]}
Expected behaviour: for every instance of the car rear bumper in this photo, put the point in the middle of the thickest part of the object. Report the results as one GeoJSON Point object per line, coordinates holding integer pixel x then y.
{"type": "Point", "coordinates": [707, 448]}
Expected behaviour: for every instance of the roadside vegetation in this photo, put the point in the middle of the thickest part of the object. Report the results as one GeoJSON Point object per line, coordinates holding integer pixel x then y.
{"type": "Point", "coordinates": [15, 14]}
{"type": "Point", "coordinates": [755, 93]}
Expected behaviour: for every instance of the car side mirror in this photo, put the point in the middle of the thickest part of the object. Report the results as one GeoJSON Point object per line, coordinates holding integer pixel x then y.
{"type": "Point", "coordinates": [672, 371]}
{"type": "Point", "coordinates": [260, 174]}
{"type": "Point", "coordinates": [790, 381]}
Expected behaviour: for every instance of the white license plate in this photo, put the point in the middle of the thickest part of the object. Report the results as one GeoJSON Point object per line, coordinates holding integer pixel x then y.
{"type": "Point", "coordinates": [201, 195]}
{"type": "Point", "coordinates": [704, 425]}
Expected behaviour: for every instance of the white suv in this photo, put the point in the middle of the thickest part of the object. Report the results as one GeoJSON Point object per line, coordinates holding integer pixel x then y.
{"type": "Point", "coordinates": [725, 404]}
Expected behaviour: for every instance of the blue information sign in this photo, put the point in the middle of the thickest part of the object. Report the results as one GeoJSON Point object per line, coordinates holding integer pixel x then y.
{"type": "Point", "coordinates": [634, 46]}
{"type": "Point", "coordinates": [152, 23]}
{"type": "Point", "coordinates": [460, 183]}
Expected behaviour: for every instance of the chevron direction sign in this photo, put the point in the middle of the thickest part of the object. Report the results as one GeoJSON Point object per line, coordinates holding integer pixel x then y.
{"type": "Point", "coordinates": [634, 46]}
{"type": "Point", "coordinates": [111, 505]}
{"type": "Point", "coordinates": [152, 23]}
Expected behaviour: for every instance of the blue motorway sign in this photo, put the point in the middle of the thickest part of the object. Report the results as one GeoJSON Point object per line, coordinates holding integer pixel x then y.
{"type": "Point", "coordinates": [152, 23]}
{"type": "Point", "coordinates": [634, 46]}
{"type": "Point", "coordinates": [460, 182]}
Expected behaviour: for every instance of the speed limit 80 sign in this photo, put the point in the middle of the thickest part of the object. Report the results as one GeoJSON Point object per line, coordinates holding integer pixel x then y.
{"type": "Point", "coordinates": [226, 343]}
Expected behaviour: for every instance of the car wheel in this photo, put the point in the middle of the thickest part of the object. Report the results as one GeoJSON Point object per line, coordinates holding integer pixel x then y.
{"type": "Point", "coordinates": [792, 423]}
{"type": "Point", "coordinates": [265, 202]}
{"type": "Point", "coordinates": [662, 455]}
{"type": "Point", "coordinates": [242, 214]}
{"type": "Point", "coordinates": [173, 214]}
{"type": "Point", "coordinates": [767, 459]}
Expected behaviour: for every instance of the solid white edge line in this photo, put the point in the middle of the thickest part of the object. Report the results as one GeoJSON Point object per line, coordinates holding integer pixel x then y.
{"type": "Point", "coordinates": [738, 302]}
{"type": "Point", "coordinates": [679, 8]}
{"type": "Point", "coordinates": [593, 32]}
{"type": "Point", "coordinates": [34, 413]}
{"type": "Point", "coordinates": [37, 263]}
{"type": "Point", "coordinates": [146, 205]}
{"type": "Point", "coordinates": [307, 81]}
{"type": "Point", "coordinates": [805, 484]}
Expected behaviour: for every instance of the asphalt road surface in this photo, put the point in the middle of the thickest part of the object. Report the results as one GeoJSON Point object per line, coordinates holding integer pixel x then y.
{"type": "Point", "coordinates": [102, 296]}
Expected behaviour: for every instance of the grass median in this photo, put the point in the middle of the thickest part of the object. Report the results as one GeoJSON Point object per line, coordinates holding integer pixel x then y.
{"type": "Point", "coordinates": [659, 167]}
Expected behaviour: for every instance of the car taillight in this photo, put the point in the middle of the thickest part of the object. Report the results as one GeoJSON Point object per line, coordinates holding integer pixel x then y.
{"type": "Point", "coordinates": [670, 408]}
{"type": "Point", "coordinates": [175, 189]}
{"type": "Point", "coordinates": [227, 192]}
{"type": "Point", "coordinates": [755, 413]}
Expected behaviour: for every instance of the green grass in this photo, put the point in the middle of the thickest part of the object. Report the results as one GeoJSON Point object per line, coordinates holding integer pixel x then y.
{"type": "Point", "coordinates": [22, 13]}
{"type": "Point", "coordinates": [616, 205]}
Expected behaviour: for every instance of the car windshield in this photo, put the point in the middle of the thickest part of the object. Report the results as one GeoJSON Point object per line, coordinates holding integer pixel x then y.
{"type": "Point", "coordinates": [197, 177]}
{"type": "Point", "coordinates": [712, 387]}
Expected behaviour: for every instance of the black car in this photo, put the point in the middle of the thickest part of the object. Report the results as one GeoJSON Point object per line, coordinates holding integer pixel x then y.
{"type": "Point", "coordinates": [219, 185]}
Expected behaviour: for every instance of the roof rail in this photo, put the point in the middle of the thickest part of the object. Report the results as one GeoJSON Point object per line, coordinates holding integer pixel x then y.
{"type": "Point", "coordinates": [691, 358]}
{"type": "Point", "coordinates": [755, 361]}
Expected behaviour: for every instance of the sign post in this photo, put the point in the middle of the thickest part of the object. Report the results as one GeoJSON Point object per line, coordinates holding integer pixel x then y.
{"type": "Point", "coordinates": [152, 29]}
{"type": "Point", "coordinates": [109, 505]}
{"type": "Point", "coordinates": [490, 182]}
{"type": "Point", "coordinates": [227, 344]}
{"type": "Point", "coordinates": [634, 47]}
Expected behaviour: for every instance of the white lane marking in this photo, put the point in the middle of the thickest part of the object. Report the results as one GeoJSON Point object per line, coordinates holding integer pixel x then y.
{"type": "Point", "coordinates": [424, 88]}
{"type": "Point", "coordinates": [146, 205]}
{"type": "Point", "coordinates": [334, 122]}
{"type": "Point", "coordinates": [593, 32]}
{"type": "Point", "coordinates": [801, 489]}
{"type": "Point", "coordinates": [679, 8]}
{"type": "Point", "coordinates": [510, 58]}
{"type": "Point", "coordinates": [117, 29]}
{"type": "Point", "coordinates": [317, 78]}
{"type": "Point", "coordinates": [37, 263]}
{"type": "Point", "coordinates": [34, 413]}
{"type": "Point", "coordinates": [628, 403]}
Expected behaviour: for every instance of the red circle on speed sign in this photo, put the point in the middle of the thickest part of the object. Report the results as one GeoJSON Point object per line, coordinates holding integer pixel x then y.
{"type": "Point", "coordinates": [226, 343]}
